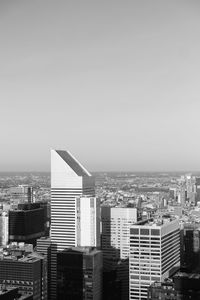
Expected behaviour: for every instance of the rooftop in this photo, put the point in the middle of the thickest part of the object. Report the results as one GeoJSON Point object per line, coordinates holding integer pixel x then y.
{"type": "Point", "coordinates": [73, 163]}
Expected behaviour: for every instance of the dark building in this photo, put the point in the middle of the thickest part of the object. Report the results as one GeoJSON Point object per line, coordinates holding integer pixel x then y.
{"type": "Point", "coordinates": [190, 248]}
{"type": "Point", "coordinates": [47, 216]}
{"type": "Point", "coordinates": [79, 274]}
{"type": "Point", "coordinates": [111, 286]}
{"type": "Point", "coordinates": [183, 286]}
{"type": "Point", "coordinates": [22, 268]}
{"type": "Point", "coordinates": [187, 285]}
{"type": "Point", "coordinates": [26, 224]}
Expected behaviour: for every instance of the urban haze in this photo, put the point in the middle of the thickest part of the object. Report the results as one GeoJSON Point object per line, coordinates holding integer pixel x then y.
{"type": "Point", "coordinates": [99, 164]}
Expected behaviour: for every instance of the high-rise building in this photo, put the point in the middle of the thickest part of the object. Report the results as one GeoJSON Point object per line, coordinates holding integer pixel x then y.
{"type": "Point", "coordinates": [69, 181]}
{"type": "Point", "coordinates": [154, 253]}
{"type": "Point", "coordinates": [116, 222]}
{"type": "Point", "coordinates": [88, 221]}
{"type": "Point", "coordinates": [80, 274]}
{"type": "Point", "coordinates": [22, 268]}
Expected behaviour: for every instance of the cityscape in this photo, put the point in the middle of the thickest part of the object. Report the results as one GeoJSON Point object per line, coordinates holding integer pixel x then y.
{"type": "Point", "coordinates": [71, 234]}
{"type": "Point", "coordinates": [99, 156]}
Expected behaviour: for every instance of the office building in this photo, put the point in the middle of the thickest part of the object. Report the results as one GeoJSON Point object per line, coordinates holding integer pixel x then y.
{"type": "Point", "coordinates": [80, 274]}
{"type": "Point", "coordinates": [88, 221]}
{"type": "Point", "coordinates": [26, 223]}
{"type": "Point", "coordinates": [69, 181]}
{"type": "Point", "coordinates": [154, 254]}
{"type": "Point", "coordinates": [22, 268]}
{"type": "Point", "coordinates": [116, 222]}
{"type": "Point", "coordinates": [3, 228]}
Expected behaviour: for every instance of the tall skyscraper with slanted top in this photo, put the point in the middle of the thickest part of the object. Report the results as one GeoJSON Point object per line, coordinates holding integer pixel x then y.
{"type": "Point", "coordinates": [69, 181]}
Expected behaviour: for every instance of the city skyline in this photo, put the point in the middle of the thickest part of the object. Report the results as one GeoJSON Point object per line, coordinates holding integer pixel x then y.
{"type": "Point", "coordinates": [116, 83]}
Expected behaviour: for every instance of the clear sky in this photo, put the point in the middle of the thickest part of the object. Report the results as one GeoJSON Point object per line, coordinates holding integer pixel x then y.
{"type": "Point", "coordinates": [117, 83]}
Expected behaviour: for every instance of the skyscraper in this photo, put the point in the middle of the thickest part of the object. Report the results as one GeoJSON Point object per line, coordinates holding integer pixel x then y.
{"type": "Point", "coordinates": [69, 181]}
{"type": "Point", "coordinates": [116, 222]}
{"type": "Point", "coordinates": [154, 251]}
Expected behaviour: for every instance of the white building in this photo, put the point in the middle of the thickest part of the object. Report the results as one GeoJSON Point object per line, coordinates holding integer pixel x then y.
{"type": "Point", "coordinates": [69, 180]}
{"type": "Point", "coordinates": [154, 251]}
{"type": "Point", "coordinates": [116, 223]}
{"type": "Point", "coordinates": [3, 228]}
{"type": "Point", "coordinates": [88, 221]}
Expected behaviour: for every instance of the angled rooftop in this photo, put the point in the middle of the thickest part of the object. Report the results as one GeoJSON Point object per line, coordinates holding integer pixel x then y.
{"type": "Point", "coordinates": [73, 163]}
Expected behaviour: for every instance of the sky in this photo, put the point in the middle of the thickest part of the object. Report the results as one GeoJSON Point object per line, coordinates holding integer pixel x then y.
{"type": "Point", "coordinates": [115, 82]}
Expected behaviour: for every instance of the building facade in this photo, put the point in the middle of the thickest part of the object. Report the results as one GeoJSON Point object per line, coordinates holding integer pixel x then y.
{"type": "Point", "coordinates": [88, 221]}
{"type": "Point", "coordinates": [154, 252]}
{"type": "Point", "coordinates": [116, 222]}
{"type": "Point", "coordinates": [26, 270]}
{"type": "Point", "coordinates": [26, 223]}
{"type": "Point", "coordinates": [69, 181]}
{"type": "Point", "coordinates": [80, 272]}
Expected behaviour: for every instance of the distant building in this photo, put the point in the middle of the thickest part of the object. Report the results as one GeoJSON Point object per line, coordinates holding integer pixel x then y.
{"type": "Point", "coordinates": [80, 271]}
{"type": "Point", "coordinates": [3, 228]}
{"type": "Point", "coordinates": [154, 252]}
{"type": "Point", "coordinates": [197, 185]}
{"type": "Point", "coordinates": [22, 193]}
{"type": "Point", "coordinates": [24, 269]}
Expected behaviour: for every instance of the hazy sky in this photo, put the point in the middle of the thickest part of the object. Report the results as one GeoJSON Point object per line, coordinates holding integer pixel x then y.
{"type": "Point", "coordinates": [115, 82]}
